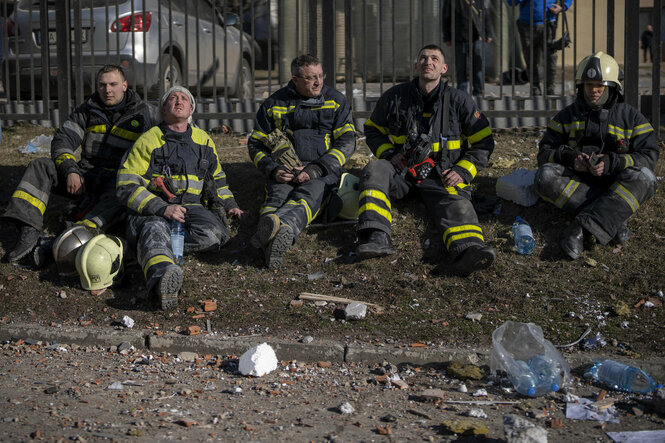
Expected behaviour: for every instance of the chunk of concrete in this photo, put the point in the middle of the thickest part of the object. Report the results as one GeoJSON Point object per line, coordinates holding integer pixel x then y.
{"type": "Point", "coordinates": [518, 187]}
{"type": "Point", "coordinates": [258, 361]}
{"type": "Point", "coordinates": [521, 430]}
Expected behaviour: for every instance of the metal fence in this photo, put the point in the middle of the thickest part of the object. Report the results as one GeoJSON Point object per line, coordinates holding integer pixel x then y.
{"type": "Point", "coordinates": [233, 54]}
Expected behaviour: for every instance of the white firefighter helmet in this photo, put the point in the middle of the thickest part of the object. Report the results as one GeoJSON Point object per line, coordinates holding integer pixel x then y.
{"type": "Point", "coordinates": [99, 262]}
{"type": "Point", "coordinates": [348, 191]}
{"type": "Point", "coordinates": [599, 67]}
{"type": "Point", "coordinates": [65, 247]}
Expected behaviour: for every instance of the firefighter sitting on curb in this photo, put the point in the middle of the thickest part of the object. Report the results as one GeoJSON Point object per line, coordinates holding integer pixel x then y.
{"type": "Point", "coordinates": [303, 136]}
{"type": "Point", "coordinates": [429, 136]}
{"type": "Point", "coordinates": [105, 126]}
{"type": "Point", "coordinates": [597, 158]}
{"type": "Point", "coordinates": [166, 176]}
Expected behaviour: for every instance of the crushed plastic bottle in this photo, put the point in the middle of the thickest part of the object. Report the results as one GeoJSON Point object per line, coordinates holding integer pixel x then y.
{"type": "Point", "coordinates": [523, 236]}
{"type": "Point", "coordinates": [177, 240]}
{"type": "Point", "coordinates": [38, 145]}
{"type": "Point", "coordinates": [622, 377]}
{"type": "Point", "coordinates": [537, 377]}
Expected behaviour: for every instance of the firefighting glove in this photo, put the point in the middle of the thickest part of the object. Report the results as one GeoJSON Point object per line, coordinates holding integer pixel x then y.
{"type": "Point", "coordinates": [281, 149]}
{"type": "Point", "coordinates": [314, 171]}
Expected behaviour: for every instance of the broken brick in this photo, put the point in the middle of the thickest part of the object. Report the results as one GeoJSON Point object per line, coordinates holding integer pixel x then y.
{"type": "Point", "coordinates": [209, 305]}
{"type": "Point", "coordinates": [193, 330]}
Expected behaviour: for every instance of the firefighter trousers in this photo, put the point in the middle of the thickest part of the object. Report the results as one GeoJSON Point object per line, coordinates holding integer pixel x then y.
{"type": "Point", "coordinates": [601, 205]}
{"type": "Point", "coordinates": [99, 206]}
{"type": "Point", "coordinates": [298, 205]}
{"type": "Point", "coordinates": [450, 207]}
{"type": "Point", "coordinates": [151, 236]}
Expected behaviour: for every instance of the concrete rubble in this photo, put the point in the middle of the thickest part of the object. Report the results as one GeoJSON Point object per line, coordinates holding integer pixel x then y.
{"type": "Point", "coordinates": [518, 187]}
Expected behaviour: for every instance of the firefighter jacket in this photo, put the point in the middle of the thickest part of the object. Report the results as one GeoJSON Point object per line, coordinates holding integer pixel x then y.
{"type": "Point", "coordinates": [465, 148]}
{"type": "Point", "coordinates": [322, 129]}
{"type": "Point", "coordinates": [617, 130]}
{"type": "Point", "coordinates": [186, 162]}
{"type": "Point", "coordinates": [104, 133]}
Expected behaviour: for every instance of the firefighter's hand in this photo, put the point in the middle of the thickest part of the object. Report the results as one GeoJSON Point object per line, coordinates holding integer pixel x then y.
{"type": "Point", "coordinates": [581, 163]}
{"type": "Point", "coordinates": [598, 169]}
{"type": "Point", "coordinates": [75, 184]}
{"type": "Point", "coordinates": [451, 178]}
{"type": "Point", "coordinates": [237, 213]}
{"type": "Point", "coordinates": [302, 176]}
{"type": "Point", "coordinates": [283, 176]}
{"type": "Point", "coordinates": [175, 212]}
{"type": "Point", "coordinates": [398, 161]}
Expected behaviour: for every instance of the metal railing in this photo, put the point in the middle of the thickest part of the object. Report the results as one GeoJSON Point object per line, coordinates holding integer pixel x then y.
{"type": "Point", "coordinates": [366, 46]}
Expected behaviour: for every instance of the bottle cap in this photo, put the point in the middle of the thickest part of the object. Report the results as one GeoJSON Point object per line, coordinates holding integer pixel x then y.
{"type": "Point", "coordinates": [555, 387]}
{"type": "Point", "coordinates": [531, 392]}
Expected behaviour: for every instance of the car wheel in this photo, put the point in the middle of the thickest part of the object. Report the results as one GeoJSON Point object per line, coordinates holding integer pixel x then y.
{"type": "Point", "coordinates": [244, 87]}
{"type": "Point", "coordinates": [170, 74]}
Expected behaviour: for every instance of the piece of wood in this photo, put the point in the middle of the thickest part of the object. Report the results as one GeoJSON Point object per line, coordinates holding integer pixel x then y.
{"type": "Point", "coordinates": [331, 298]}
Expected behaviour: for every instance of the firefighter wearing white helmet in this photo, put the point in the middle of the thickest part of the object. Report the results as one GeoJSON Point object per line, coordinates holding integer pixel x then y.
{"type": "Point", "coordinates": [99, 262]}
{"type": "Point", "coordinates": [597, 157]}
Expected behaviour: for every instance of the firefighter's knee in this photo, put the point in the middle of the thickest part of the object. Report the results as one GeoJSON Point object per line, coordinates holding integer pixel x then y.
{"type": "Point", "coordinates": [639, 178]}
{"type": "Point", "coordinates": [547, 180]}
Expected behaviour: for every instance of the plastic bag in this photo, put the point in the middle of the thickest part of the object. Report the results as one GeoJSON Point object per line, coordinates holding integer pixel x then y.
{"type": "Point", "coordinates": [532, 363]}
{"type": "Point", "coordinates": [38, 145]}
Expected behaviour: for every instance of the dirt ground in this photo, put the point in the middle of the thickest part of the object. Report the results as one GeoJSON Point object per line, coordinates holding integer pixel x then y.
{"type": "Point", "coordinates": [422, 302]}
{"type": "Point", "coordinates": [65, 393]}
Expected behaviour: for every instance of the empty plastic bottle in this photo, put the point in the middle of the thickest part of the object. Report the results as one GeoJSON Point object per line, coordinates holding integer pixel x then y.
{"type": "Point", "coordinates": [523, 235]}
{"type": "Point", "coordinates": [177, 240]}
{"type": "Point", "coordinates": [621, 377]}
{"type": "Point", "coordinates": [523, 379]}
{"type": "Point", "coordinates": [548, 377]}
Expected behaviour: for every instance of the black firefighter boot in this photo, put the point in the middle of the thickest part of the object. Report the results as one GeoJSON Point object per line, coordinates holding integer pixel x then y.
{"type": "Point", "coordinates": [475, 258]}
{"type": "Point", "coordinates": [573, 240]}
{"type": "Point", "coordinates": [26, 243]}
{"type": "Point", "coordinates": [373, 243]}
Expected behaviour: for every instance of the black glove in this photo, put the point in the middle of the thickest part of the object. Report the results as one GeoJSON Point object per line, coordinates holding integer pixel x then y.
{"type": "Point", "coordinates": [314, 171]}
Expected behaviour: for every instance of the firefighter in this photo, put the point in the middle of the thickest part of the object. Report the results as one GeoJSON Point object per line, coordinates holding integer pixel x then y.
{"type": "Point", "coordinates": [105, 126]}
{"type": "Point", "coordinates": [303, 136]}
{"type": "Point", "coordinates": [597, 157]}
{"type": "Point", "coordinates": [428, 136]}
{"type": "Point", "coordinates": [167, 175]}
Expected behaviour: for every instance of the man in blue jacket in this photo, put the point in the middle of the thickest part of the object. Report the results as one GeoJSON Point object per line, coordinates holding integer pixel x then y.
{"type": "Point", "coordinates": [544, 15]}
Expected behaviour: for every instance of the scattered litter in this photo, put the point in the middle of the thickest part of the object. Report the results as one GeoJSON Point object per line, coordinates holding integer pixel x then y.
{"type": "Point", "coordinates": [127, 322]}
{"type": "Point", "coordinates": [125, 348]}
{"type": "Point", "coordinates": [462, 388]}
{"type": "Point", "coordinates": [584, 334]}
{"type": "Point", "coordinates": [431, 395]}
{"type": "Point", "coordinates": [474, 316]}
{"type": "Point", "coordinates": [579, 408]}
{"type": "Point", "coordinates": [316, 275]}
{"type": "Point", "coordinates": [346, 408]}
{"type": "Point", "coordinates": [38, 145]}
{"type": "Point", "coordinates": [649, 304]}
{"type": "Point", "coordinates": [115, 386]}
{"type": "Point", "coordinates": [481, 402]}
{"type": "Point", "coordinates": [258, 361]}
{"type": "Point", "coordinates": [307, 339]}
{"type": "Point", "coordinates": [476, 413]}
{"type": "Point", "coordinates": [355, 311]}
{"type": "Point", "coordinates": [596, 341]}
{"type": "Point", "coordinates": [480, 393]}
{"type": "Point", "coordinates": [656, 436]}
{"type": "Point", "coordinates": [330, 298]}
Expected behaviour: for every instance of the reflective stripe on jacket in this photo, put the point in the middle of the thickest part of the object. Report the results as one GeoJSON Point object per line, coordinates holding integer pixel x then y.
{"type": "Point", "coordinates": [185, 161]}
{"type": "Point", "coordinates": [323, 131]}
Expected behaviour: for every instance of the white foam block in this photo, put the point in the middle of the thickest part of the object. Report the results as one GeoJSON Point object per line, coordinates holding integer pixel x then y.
{"type": "Point", "coordinates": [518, 187]}
{"type": "Point", "coordinates": [258, 361]}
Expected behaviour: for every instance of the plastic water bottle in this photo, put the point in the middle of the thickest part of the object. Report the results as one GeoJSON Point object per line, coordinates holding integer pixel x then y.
{"type": "Point", "coordinates": [177, 240]}
{"type": "Point", "coordinates": [523, 380]}
{"type": "Point", "coordinates": [621, 377]}
{"type": "Point", "coordinates": [548, 377]}
{"type": "Point", "coordinates": [523, 235]}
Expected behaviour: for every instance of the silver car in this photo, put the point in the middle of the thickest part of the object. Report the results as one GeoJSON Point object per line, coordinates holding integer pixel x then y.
{"type": "Point", "coordinates": [158, 42]}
